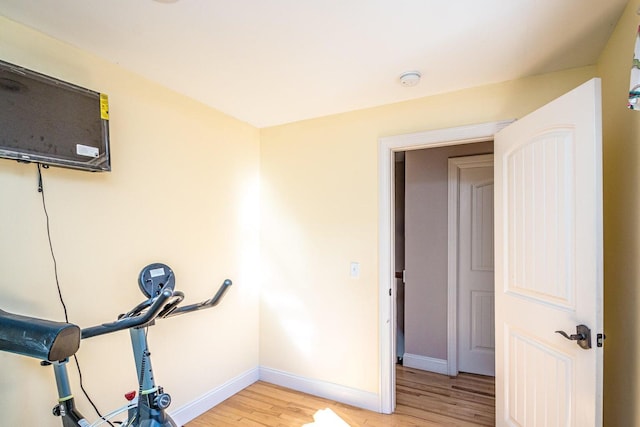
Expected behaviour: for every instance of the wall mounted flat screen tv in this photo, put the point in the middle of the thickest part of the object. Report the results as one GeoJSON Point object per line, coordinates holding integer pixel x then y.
{"type": "Point", "coordinates": [45, 120]}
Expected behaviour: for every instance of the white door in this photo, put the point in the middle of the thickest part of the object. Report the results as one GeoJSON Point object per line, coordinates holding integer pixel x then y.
{"type": "Point", "coordinates": [548, 265]}
{"type": "Point", "coordinates": [476, 338]}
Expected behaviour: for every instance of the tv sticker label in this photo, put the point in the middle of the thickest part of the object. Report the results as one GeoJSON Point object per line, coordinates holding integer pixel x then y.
{"type": "Point", "coordinates": [104, 106]}
{"type": "Point", "coordinates": [87, 151]}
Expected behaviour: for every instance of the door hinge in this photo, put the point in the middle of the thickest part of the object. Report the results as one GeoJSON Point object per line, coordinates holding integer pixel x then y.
{"type": "Point", "coordinates": [600, 340]}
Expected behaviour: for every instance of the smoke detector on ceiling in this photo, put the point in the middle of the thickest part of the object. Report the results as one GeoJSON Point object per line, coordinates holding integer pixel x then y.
{"type": "Point", "coordinates": [410, 78]}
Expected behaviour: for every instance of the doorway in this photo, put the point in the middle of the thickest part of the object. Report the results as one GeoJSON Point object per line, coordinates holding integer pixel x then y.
{"type": "Point", "coordinates": [460, 136]}
{"type": "Point", "coordinates": [434, 189]}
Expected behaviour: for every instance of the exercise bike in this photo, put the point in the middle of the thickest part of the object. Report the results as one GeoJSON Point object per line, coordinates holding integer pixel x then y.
{"type": "Point", "coordinates": [54, 342]}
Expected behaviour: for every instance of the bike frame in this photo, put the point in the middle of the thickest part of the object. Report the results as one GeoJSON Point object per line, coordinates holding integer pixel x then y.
{"type": "Point", "coordinates": [151, 403]}
{"type": "Point", "coordinates": [66, 407]}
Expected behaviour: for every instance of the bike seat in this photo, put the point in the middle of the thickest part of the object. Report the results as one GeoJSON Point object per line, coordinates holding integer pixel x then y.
{"type": "Point", "coordinates": [38, 338]}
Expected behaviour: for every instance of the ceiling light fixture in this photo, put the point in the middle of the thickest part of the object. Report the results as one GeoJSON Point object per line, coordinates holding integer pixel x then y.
{"type": "Point", "coordinates": [410, 78]}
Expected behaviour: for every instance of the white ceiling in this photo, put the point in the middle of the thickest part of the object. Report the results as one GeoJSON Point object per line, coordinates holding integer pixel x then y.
{"type": "Point", "coordinates": [269, 62]}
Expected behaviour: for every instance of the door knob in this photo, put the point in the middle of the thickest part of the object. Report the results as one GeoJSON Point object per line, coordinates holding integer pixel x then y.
{"type": "Point", "coordinates": [582, 336]}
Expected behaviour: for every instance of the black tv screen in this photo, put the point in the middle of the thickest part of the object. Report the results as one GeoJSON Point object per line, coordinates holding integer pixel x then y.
{"type": "Point", "coordinates": [45, 120]}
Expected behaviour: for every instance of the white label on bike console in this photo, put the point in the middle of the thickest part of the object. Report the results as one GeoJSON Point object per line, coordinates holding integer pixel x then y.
{"type": "Point", "coordinates": [84, 423]}
{"type": "Point", "coordinates": [157, 272]}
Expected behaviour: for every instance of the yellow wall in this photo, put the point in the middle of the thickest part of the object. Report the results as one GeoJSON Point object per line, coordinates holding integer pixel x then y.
{"type": "Point", "coordinates": [621, 135]}
{"type": "Point", "coordinates": [184, 190]}
{"type": "Point", "coordinates": [320, 212]}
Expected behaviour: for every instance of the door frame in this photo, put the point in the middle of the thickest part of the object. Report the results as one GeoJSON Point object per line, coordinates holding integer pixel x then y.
{"type": "Point", "coordinates": [455, 165]}
{"type": "Point", "coordinates": [387, 146]}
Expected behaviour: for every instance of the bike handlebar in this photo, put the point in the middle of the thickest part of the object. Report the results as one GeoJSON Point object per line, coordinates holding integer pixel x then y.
{"type": "Point", "coordinates": [201, 305]}
{"type": "Point", "coordinates": [129, 322]}
{"type": "Point", "coordinates": [156, 308]}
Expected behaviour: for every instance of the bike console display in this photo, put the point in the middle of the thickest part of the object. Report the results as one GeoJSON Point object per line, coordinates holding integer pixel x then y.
{"type": "Point", "coordinates": [154, 277]}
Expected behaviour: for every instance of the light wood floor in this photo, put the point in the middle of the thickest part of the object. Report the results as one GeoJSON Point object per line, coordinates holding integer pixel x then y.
{"type": "Point", "coordinates": [423, 399]}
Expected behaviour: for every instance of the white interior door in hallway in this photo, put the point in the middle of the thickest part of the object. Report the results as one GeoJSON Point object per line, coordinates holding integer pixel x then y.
{"type": "Point", "coordinates": [471, 214]}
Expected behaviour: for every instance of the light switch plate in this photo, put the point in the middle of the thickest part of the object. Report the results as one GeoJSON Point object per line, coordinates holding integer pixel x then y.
{"type": "Point", "coordinates": [355, 270]}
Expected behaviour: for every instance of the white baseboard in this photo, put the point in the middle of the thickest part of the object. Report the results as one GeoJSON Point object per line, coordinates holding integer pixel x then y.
{"type": "Point", "coordinates": [339, 393]}
{"type": "Point", "coordinates": [439, 366]}
{"type": "Point", "coordinates": [194, 409]}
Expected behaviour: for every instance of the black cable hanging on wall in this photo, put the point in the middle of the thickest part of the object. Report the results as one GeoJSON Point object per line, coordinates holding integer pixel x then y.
{"type": "Point", "coordinates": [55, 272]}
